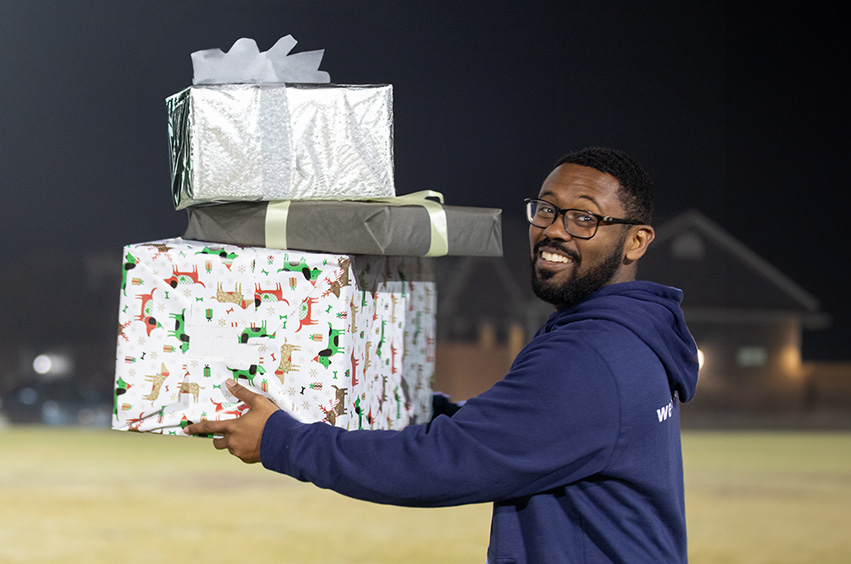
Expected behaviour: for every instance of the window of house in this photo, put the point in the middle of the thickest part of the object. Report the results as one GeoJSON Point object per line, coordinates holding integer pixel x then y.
{"type": "Point", "coordinates": [688, 246]}
{"type": "Point", "coordinates": [752, 356]}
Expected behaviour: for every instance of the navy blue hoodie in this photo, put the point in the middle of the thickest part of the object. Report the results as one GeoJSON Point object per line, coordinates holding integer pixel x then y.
{"type": "Point", "coordinates": [578, 447]}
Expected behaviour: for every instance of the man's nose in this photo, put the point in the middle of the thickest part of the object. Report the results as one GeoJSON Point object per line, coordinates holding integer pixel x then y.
{"type": "Point", "coordinates": [556, 229]}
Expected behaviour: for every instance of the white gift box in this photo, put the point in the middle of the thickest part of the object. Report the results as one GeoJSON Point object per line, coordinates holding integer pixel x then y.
{"type": "Point", "coordinates": [346, 339]}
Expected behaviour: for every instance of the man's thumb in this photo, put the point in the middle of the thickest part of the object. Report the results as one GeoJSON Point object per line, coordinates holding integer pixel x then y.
{"type": "Point", "coordinates": [240, 391]}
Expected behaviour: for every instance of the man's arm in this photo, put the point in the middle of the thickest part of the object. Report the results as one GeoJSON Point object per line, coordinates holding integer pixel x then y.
{"type": "Point", "coordinates": [242, 436]}
{"type": "Point", "coordinates": [548, 423]}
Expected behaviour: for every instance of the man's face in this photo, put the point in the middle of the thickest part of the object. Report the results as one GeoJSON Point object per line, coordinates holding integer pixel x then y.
{"type": "Point", "coordinates": [566, 270]}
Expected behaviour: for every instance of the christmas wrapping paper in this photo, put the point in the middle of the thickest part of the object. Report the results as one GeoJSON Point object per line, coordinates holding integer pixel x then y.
{"type": "Point", "coordinates": [374, 228]}
{"type": "Point", "coordinates": [259, 142]}
{"type": "Point", "coordinates": [338, 338]}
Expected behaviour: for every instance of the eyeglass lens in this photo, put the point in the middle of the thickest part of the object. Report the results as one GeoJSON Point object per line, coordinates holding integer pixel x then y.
{"type": "Point", "coordinates": [576, 222]}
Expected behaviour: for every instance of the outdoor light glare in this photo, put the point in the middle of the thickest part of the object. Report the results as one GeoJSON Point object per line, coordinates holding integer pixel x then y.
{"type": "Point", "coordinates": [53, 364]}
{"type": "Point", "coordinates": [700, 359]}
{"type": "Point", "coordinates": [42, 364]}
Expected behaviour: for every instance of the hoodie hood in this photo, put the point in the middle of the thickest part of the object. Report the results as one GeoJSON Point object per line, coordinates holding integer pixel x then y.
{"type": "Point", "coordinates": [653, 313]}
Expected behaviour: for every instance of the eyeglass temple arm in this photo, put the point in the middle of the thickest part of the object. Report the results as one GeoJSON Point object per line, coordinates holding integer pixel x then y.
{"type": "Point", "coordinates": [610, 219]}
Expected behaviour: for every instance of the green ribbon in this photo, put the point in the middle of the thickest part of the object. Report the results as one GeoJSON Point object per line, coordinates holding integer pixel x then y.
{"type": "Point", "coordinates": [276, 224]}
{"type": "Point", "coordinates": [277, 212]}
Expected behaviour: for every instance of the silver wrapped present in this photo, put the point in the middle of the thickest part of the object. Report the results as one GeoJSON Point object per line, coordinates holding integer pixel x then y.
{"type": "Point", "coordinates": [259, 126]}
{"type": "Point", "coordinates": [261, 142]}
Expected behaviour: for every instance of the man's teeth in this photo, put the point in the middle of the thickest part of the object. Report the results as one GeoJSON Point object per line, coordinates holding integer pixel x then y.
{"type": "Point", "coordinates": [553, 257]}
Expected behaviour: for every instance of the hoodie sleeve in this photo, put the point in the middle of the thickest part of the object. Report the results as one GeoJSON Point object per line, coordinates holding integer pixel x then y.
{"type": "Point", "coordinates": [554, 419]}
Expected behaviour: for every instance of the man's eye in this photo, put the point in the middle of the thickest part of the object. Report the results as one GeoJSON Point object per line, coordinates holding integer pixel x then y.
{"type": "Point", "coordinates": [583, 218]}
{"type": "Point", "coordinates": [546, 210]}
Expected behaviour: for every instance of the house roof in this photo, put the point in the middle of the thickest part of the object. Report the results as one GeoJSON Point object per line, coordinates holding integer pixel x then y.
{"type": "Point", "coordinates": [718, 273]}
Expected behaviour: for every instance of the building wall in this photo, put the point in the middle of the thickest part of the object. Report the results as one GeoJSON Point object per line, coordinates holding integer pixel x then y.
{"type": "Point", "coordinates": [466, 369]}
{"type": "Point", "coordinates": [749, 365]}
{"type": "Point", "coordinates": [828, 386]}
{"type": "Point", "coordinates": [782, 384]}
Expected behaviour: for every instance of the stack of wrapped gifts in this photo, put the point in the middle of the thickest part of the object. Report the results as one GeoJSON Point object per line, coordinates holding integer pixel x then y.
{"type": "Point", "coordinates": [301, 274]}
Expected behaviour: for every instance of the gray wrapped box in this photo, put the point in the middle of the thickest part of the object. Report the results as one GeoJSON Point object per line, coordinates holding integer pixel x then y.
{"type": "Point", "coordinates": [261, 142]}
{"type": "Point", "coordinates": [370, 228]}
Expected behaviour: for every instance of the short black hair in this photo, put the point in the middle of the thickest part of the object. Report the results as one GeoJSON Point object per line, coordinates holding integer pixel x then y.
{"type": "Point", "coordinates": [636, 187]}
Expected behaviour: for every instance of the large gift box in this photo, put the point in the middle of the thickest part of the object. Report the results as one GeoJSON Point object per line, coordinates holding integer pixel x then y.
{"type": "Point", "coordinates": [404, 227]}
{"type": "Point", "coordinates": [338, 338]}
{"type": "Point", "coordinates": [257, 142]}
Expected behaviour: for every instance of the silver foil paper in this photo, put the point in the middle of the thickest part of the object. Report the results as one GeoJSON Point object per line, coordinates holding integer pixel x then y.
{"type": "Point", "coordinates": [261, 142]}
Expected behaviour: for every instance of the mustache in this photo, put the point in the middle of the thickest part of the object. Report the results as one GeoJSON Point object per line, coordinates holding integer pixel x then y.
{"type": "Point", "coordinates": [556, 244]}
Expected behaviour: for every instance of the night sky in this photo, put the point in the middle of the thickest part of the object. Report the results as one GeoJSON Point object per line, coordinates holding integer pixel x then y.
{"type": "Point", "coordinates": [733, 111]}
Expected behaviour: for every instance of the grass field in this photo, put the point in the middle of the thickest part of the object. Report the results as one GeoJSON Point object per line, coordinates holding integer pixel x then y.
{"type": "Point", "coordinates": [72, 495]}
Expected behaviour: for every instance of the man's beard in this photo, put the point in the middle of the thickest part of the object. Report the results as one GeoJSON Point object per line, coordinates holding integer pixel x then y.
{"type": "Point", "coordinates": [579, 286]}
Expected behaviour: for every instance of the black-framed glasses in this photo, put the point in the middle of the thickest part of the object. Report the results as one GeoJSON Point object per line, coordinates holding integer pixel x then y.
{"type": "Point", "coordinates": [579, 223]}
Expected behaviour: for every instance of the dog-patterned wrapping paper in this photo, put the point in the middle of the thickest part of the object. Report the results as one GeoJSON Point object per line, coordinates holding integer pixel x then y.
{"type": "Point", "coordinates": [346, 339]}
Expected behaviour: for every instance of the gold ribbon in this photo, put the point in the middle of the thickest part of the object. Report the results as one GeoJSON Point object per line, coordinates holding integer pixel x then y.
{"type": "Point", "coordinates": [277, 212]}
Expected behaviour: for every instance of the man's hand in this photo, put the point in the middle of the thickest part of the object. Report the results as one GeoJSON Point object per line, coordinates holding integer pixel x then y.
{"type": "Point", "coordinates": [241, 436]}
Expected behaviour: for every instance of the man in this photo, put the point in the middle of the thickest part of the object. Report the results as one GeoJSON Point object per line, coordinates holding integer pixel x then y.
{"type": "Point", "coordinates": [578, 447]}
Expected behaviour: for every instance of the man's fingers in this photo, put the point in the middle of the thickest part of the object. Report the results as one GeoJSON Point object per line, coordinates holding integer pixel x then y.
{"type": "Point", "coordinates": [206, 428]}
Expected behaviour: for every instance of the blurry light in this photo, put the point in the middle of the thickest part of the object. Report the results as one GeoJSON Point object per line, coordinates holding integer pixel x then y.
{"type": "Point", "coordinates": [791, 361]}
{"type": "Point", "coordinates": [42, 364]}
{"type": "Point", "coordinates": [700, 359]}
{"type": "Point", "coordinates": [50, 409]}
{"type": "Point", "coordinates": [53, 364]}
{"type": "Point", "coordinates": [86, 416]}
{"type": "Point", "coordinates": [28, 396]}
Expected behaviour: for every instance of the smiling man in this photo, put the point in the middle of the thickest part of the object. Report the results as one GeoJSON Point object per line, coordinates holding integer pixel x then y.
{"type": "Point", "coordinates": [578, 447]}
{"type": "Point", "coordinates": [577, 192]}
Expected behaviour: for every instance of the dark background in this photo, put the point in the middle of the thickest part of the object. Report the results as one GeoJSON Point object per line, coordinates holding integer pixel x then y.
{"type": "Point", "coordinates": [733, 110]}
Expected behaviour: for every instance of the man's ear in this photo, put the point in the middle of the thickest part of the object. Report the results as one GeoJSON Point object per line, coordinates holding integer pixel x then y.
{"type": "Point", "coordinates": [639, 239]}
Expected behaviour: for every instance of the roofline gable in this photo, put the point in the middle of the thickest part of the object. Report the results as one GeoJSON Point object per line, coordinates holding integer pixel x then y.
{"type": "Point", "coordinates": [466, 267]}
{"type": "Point", "coordinates": [696, 219]}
